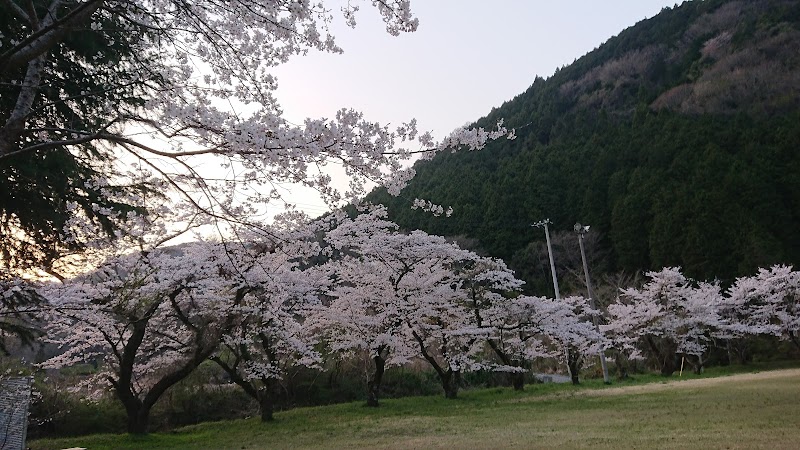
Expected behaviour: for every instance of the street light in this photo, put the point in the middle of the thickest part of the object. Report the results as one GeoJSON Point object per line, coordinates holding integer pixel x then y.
{"type": "Point", "coordinates": [582, 230]}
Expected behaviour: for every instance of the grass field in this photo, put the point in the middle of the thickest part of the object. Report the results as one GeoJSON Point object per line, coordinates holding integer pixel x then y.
{"type": "Point", "coordinates": [743, 411]}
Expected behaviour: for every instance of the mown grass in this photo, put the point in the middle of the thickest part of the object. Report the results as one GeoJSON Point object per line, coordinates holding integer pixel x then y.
{"type": "Point", "coordinates": [761, 413]}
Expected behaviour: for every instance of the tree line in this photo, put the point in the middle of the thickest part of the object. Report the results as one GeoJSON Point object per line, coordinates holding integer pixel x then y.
{"type": "Point", "coordinates": [348, 286]}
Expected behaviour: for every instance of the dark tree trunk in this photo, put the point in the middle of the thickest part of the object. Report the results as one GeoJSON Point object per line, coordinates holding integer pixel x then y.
{"type": "Point", "coordinates": [742, 354]}
{"type": "Point", "coordinates": [138, 417]}
{"type": "Point", "coordinates": [696, 363]}
{"type": "Point", "coordinates": [451, 381]}
{"type": "Point", "coordinates": [665, 353]}
{"type": "Point", "coordinates": [622, 365]}
{"type": "Point", "coordinates": [575, 362]}
{"type": "Point", "coordinates": [265, 404]}
{"type": "Point", "coordinates": [206, 342]}
{"type": "Point", "coordinates": [374, 385]}
{"type": "Point", "coordinates": [263, 395]}
{"type": "Point", "coordinates": [333, 374]}
{"type": "Point", "coordinates": [138, 411]}
{"type": "Point", "coordinates": [518, 381]}
{"type": "Point", "coordinates": [729, 349]}
{"type": "Point", "coordinates": [737, 348]}
{"type": "Point", "coordinates": [795, 340]}
{"type": "Point", "coordinates": [668, 365]}
{"type": "Point", "coordinates": [517, 378]}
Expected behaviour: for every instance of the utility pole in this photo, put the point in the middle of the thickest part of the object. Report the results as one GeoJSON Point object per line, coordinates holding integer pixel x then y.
{"type": "Point", "coordinates": [543, 224]}
{"type": "Point", "coordinates": [540, 224]}
{"type": "Point", "coordinates": [581, 230]}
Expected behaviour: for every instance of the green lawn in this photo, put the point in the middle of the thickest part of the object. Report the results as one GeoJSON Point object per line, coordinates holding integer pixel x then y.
{"type": "Point", "coordinates": [740, 411]}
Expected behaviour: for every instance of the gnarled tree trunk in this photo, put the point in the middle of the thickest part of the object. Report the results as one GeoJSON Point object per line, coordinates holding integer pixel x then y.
{"type": "Point", "coordinates": [263, 395]}
{"type": "Point", "coordinates": [622, 365]}
{"type": "Point", "coordinates": [697, 363]}
{"type": "Point", "coordinates": [518, 381]}
{"type": "Point", "coordinates": [575, 362]}
{"type": "Point", "coordinates": [795, 340]}
{"type": "Point", "coordinates": [451, 381]}
{"type": "Point", "coordinates": [517, 378]}
{"type": "Point", "coordinates": [138, 417]}
{"type": "Point", "coordinates": [374, 384]}
{"type": "Point", "coordinates": [665, 353]}
{"type": "Point", "coordinates": [265, 403]}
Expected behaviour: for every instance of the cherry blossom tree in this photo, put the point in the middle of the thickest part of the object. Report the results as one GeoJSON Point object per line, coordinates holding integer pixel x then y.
{"type": "Point", "coordinates": [357, 319]}
{"type": "Point", "coordinates": [488, 285]}
{"type": "Point", "coordinates": [150, 312]}
{"type": "Point", "coordinates": [92, 88]}
{"type": "Point", "coordinates": [454, 302]}
{"type": "Point", "coordinates": [702, 324]}
{"type": "Point", "coordinates": [357, 316]}
{"type": "Point", "coordinates": [532, 327]}
{"type": "Point", "coordinates": [577, 334]}
{"type": "Point", "coordinates": [399, 296]}
{"type": "Point", "coordinates": [271, 335]}
{"type": "Point", "coordinates": [667, 317]}
{"type": "Point", "coordinates": [148, 318]}
{"type": "Point", "coordinates": [439, 318]}
{"type": "Point", "coordinates": [766, 303]}
{"type": "Point", "coordinates": [393, 298]}
{"type": "Point", "coordinates": [521, 329]}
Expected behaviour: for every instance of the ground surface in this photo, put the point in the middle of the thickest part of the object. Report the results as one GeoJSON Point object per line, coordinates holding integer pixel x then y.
{"type": "Point", "coordinates": [746, 411]}
{"type": "Point", "coordinates": [697, 383]}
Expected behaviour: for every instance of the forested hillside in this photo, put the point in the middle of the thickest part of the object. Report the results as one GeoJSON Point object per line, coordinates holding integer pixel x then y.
{"type": "Point", "coordinates": [677, 140]}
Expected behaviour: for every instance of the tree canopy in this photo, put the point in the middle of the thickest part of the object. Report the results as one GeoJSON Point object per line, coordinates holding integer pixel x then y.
{"type": "Point", "coordinates": [104, 101]}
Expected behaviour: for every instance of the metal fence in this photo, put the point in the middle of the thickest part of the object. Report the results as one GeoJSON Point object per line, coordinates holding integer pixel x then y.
{"type": "Point", "coordinates": [15, 395]}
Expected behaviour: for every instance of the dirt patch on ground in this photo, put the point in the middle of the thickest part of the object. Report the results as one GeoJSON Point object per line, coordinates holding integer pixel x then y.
{"type": "Point", "coordinates": [695, 383]}
{"type": "Point", "coordinates": [667, 385]}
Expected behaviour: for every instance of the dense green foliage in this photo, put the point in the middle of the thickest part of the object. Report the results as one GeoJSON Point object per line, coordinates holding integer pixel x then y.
{"type": "Point", "coordinates": [87, 85]}
{"type": "Point", "coordinates": [676, 140]}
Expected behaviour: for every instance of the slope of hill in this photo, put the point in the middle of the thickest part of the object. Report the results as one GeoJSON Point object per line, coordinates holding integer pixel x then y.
{"type": "Point", "coordinates": [677, 140]}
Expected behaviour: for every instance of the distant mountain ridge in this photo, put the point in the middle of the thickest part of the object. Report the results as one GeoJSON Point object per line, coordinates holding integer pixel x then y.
{"type": "Point", "coordinates": [733, 55]}
{"type": "Point", "coordinates": [678, 140]}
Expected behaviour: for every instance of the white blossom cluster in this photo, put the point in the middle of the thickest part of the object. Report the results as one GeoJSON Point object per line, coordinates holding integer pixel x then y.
{"type": "Point", "coordinates": [399, 296]}
{"type": "Point", "coordinates": [209, 132]}
{"type": "Point", "coordinates": [260, 307]}
{"type": "Point", "coordinates": [359, 287]}
{"type": "Point", "coordinates": [428, 206]}
{"type": "Point", "coordinates": [679, 316]}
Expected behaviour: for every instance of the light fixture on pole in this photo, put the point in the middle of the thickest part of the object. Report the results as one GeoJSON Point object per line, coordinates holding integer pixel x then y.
{"type": "Point", "coordinates": [582, 230]}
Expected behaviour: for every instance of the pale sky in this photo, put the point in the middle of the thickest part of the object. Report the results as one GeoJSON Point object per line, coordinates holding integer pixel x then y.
{"type": "Point", "coordinates": [466, 57]}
